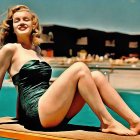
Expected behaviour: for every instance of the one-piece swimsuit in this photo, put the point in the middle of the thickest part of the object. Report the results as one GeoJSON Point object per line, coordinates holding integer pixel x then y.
{"type": "Point", "coordinates": [32, 81]}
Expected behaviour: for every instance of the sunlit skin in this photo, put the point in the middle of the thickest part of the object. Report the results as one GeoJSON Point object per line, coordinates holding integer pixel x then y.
{"type": "Point", "coordinates": [23, 26]}
{"type": "Point", "coordinates": [75, 87]}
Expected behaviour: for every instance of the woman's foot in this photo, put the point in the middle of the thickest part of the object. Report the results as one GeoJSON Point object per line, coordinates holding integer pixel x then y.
{"type": "Point", "coordinates": [135, 127]}
{"type": "Point", "coordinates": [117, 128]}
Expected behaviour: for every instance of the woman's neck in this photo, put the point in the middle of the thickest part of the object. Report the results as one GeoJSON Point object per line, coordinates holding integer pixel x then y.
{"type": "Point", "coordinates": [26, 43]}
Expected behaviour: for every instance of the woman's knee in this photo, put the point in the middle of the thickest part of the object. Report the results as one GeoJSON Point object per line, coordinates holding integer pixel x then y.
{"type": "Point", "coordinates": [81, 69]}
{"type": "Point", "coordinates": [98, 77]}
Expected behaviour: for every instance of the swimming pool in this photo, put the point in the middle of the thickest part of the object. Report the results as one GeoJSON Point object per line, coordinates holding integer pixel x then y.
{"type": "Point", "coordinates": [8, 106]}
{"type": "Point", "coordinates": [85, 117]}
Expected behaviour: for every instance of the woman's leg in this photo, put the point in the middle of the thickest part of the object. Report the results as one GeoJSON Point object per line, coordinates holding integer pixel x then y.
{"type": "Point", "coordinates": [57, 102]}
{"type": "Point", "coordinates": [113, 100]}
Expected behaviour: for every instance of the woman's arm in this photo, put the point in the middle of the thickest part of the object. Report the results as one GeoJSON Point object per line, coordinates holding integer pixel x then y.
{"type": "Point", "coordinates": [6, 54]}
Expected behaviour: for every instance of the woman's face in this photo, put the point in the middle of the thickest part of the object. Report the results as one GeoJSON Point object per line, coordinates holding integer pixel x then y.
{"type": "Point", "coordinates": [22, 23]}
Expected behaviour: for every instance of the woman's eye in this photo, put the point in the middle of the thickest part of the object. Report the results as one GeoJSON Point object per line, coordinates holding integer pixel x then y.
{"type": "Point", "coordinates": [16, 20]}
{"type": "Point", "coordinates": [26, 19]}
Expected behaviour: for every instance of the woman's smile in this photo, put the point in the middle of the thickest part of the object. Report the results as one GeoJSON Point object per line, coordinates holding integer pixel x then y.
{"type": "Point", "coordinates": [22, 28]}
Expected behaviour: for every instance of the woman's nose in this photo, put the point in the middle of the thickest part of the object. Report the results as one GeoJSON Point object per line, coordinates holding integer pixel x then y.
{"type": "Point", "coordinates": [21, 23]}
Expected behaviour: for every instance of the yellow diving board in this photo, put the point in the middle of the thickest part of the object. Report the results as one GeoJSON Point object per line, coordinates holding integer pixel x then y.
{"type": "Point", "coordinates": [9, 128]}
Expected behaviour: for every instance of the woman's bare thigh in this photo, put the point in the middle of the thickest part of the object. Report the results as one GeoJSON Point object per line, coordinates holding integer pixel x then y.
{"type": "Point", "coordinates": [76, 106]}
{"type": "Point", "coordinates": [57, 100]}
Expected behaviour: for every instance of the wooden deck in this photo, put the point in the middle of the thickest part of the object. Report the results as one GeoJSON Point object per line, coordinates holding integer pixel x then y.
{"type": "Point", "coordinates": [9, 128]}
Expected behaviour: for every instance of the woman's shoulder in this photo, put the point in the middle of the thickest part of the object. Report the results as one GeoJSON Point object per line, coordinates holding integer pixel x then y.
{"type": "Point", "coordinates": [10, 47]}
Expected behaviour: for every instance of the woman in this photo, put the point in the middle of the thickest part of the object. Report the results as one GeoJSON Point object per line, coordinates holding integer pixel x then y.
{"type": "Point", "coordinates": [48, 106]}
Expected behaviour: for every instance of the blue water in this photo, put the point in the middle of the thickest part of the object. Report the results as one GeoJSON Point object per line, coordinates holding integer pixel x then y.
{"type": "Point", "coordinates": [8, 97]}
{"type": "Point", "coordinates": [86, 117]}
{"type": "Point", "coordinates": [8, 103]}
{"type": "Point", "coordinates": [5, 139]}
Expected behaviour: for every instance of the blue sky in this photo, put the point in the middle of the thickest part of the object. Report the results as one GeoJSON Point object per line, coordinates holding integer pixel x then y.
{"type": "Point", "coordinates": [107, 15]}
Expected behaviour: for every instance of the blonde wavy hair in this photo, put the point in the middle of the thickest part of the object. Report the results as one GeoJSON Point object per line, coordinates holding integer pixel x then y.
{"type": "Point", "coordinates": [7, 34]}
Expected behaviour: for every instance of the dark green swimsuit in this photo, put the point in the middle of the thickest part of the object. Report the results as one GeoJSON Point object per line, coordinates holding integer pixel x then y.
{"type": "Point", "coordinates": [32, 81]}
